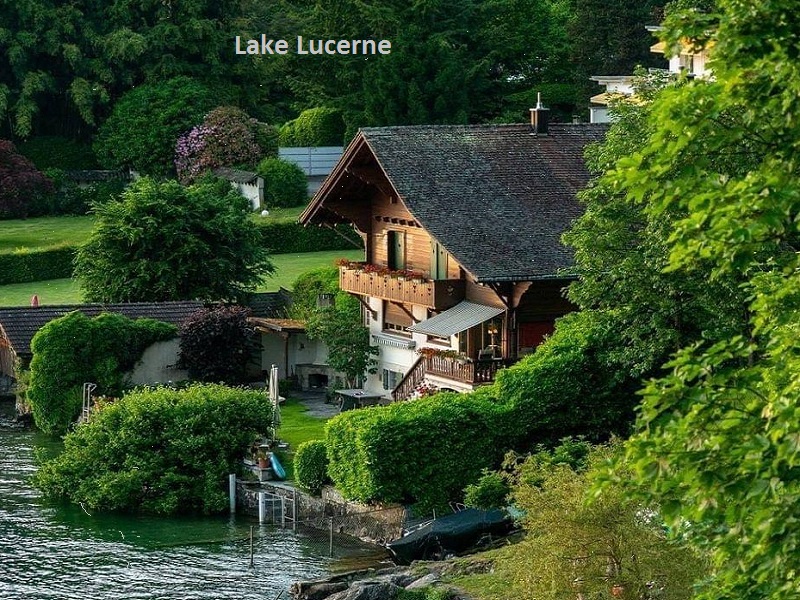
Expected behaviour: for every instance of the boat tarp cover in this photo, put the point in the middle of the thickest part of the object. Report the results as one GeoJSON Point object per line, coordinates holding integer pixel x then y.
{"type": "Point", "coordinates": [450, 535]}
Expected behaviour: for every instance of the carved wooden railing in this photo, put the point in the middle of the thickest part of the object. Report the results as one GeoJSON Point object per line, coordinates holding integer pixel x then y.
{"type": "Point", "coordinates": [410, 381]}
{"type": "Point", "coordinates": [436, 294]}
{"type": "Point", "coordinates": [482, 371]}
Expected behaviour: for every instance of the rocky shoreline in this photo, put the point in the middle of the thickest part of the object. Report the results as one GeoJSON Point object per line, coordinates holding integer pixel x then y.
{"type": "Point", "coordinates": [387, 583]}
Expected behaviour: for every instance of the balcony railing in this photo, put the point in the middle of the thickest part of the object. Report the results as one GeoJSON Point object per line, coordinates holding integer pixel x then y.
{"type": "Point", "coordinates": [436, 294]}
{"type": "Point", "coordinates": [482, 371]}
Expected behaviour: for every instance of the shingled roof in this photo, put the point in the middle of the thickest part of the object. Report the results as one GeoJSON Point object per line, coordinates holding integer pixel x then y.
{"type": "Point", "coordinates": [20, 324]}
{"type": "Point", "coordinates": [495, 196]}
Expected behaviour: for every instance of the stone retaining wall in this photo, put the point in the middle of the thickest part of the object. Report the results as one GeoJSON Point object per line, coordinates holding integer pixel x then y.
{"type": "Point", "coordinates": [374, 524]}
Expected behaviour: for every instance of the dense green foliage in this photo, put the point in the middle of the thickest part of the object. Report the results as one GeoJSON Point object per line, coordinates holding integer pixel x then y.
{"type": "Point", "coordinates": [311, 466]}
{"type": "Point", "coordinates": [284, 183]}
{"type": "Point", "coordinates": [308, 287]}
{"type": "Point", "coordinates": [163, 241]}
{"type": "Point", "coordinates": [622, 251]}
{"type": "Point", "coordinates": [64, 69]}
{"type": "Point", "coordinates": [70, 197]}
{"type": "Point", "coordinates": [142, 130]}
{"type": "Point", "coordinates": [342, 329]}
{"type": "Point", "coordinates": [571, 385]}
{"type": "Point", "coordinates": [21, 183]}
{"type": "Point", "coordinates": [611, 38]}
{"type": "Point", "coordinates": [73, 350]}
{"type": "Point", "coordinates": [21, 266]}
{"type": "Point", "coordinates": [490, 491]}
{"type": "Point", "coordinates": [425, 451]}
{"type": "Point", "coordinates": [218, 344]}
{"type": "Point", "coordinates": [314, 127]}
{"type": "Point", "coordinates": [291, 237]}
{"type": "Point", "coordinates": [158, 451]}
{"type": "Point", "coordinates": [62, 65]}
{"type": "Point", "coordinates": [722, 421]}
{"type": "Point", "coordinates": [56, 152]}
{"type": "Point", "coordinates": [586, 548]}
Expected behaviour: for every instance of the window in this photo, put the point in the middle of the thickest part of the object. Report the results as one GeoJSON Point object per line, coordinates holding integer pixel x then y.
{"type": "Point", "coordinates": [391, 379]}
{"type": "Point", "coordinates": [396, 319]}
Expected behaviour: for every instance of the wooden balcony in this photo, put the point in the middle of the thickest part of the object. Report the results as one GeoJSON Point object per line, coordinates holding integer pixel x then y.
{"type": "Point", "coordinates": [474, 373]}
{"type": "Point", "coordinates": [438, 295]}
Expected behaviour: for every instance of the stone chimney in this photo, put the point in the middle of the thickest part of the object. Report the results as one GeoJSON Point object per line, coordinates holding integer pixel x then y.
{"type": "Point", "coordinates": [540, 117]}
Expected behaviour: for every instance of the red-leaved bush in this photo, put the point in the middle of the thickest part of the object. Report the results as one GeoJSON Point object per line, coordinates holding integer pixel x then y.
{"type": "Point", "coordinates": [217, 344]}
{"type": "Point", "coordinates": [21, 183]}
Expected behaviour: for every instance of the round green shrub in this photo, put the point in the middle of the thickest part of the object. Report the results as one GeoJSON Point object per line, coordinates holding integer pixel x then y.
{"type": "Point", "coordinates": [284, 183]}
{"type": "Point", "coordinates": [490, 491]}
{"type": "Point", "coordinates": [311, 466]}
{"type": "Point", "coordinates": [146, 121]}
{"type": "Point", "coordinates": [314, 127]}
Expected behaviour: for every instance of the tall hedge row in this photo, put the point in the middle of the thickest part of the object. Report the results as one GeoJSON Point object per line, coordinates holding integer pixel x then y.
{"type": "Point", "coordinates": [289, 237]}
{"type": "Point", "coordinates": [421, 452]}
{"type": "Point", "coordinates": [22, 266]}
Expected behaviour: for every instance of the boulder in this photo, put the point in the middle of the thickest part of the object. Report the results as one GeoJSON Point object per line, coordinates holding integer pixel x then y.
{"type": "Point", "coordinates": [427, 580]}
{"type": "Point", "coordinates": [368, 590]}
{"type": "Point", "coordinates": [320, 591]}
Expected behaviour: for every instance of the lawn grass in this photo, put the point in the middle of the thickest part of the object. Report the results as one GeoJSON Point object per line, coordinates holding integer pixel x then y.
{"type": "Point", "coordinates": [290, 266]}
{"type": "Point", "coordinates": [297, 426]}
{"type": "Point", "coordinates": [66, 291]}
{"type": "Point", "coordinates": [52, 291]}
{"type": "Point", "coordinates": [43, 232]}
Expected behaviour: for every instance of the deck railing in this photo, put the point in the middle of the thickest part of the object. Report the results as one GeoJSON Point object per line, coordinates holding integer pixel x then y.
{"type": "Point", "coordinates": [410, 381]}
{"type": "Point", "coordinates": [482, 371]}
{"type": "Point", "coordinates": [436, 294]}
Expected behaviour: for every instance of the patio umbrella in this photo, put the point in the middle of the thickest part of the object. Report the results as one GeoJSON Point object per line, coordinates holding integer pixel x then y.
{"type": "Point", "coordinates": [274, 397]}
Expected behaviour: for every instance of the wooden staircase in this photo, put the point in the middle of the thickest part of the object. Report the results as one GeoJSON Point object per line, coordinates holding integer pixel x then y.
{"type": "Point", "coordinates": [410, 381]}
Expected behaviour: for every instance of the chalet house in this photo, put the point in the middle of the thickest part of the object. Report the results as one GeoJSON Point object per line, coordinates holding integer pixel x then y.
{"type": "Point", "coordinates": [464, 268]}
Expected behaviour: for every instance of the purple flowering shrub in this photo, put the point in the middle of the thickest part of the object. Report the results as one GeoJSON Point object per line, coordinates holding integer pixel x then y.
{"type": "Point", "coordinates": [228, 137]}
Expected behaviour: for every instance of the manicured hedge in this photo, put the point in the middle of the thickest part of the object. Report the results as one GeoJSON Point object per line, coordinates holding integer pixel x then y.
{"type": "Point", "coordinates": [572, 385]}
{"type": "Point", "coordinates": [287, 237]}
{"type": "Point", "coordinates": [311, 465]}
{"type": "Point", "coordinates": [22, 266]}
{"type": "Point", "coordinates": [423, 452]}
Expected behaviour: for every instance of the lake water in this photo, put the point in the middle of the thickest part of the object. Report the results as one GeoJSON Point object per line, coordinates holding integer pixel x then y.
{"type": "Point", "coordinates": [60, 552]}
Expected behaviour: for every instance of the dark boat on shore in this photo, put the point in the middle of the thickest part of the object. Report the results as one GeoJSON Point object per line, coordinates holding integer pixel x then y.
{"type": "Point", "coordinates": [451, 534]}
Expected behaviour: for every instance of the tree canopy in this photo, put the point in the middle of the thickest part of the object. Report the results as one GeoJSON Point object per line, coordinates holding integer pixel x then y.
{"type": "Point", "coordinates": [717, 445]}
{"type": "Point", "coordinates": [164, 241]}
{"type": "Point", "coordinates": [63, 69]}
{"type": "Point", "coordinates": [146, 122]}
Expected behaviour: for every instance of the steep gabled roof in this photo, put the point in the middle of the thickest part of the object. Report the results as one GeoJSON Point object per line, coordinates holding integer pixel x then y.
{"type": "Point", "coordinates": [495, 196]}
{"type": "Point", "coordinates": [20, 324]}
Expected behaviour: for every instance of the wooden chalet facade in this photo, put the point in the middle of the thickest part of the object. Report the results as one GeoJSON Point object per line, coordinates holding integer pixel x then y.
{"type": "Point", "coordinates": [464, 268]}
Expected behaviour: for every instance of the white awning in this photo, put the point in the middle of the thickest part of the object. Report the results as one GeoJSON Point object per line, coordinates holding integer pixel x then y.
{"type": "Point", "coordinates": [457, 319]}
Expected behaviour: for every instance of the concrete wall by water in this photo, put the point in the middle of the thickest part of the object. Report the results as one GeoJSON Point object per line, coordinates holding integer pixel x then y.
{"type": "Point", "coordinates": [369, 523]}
